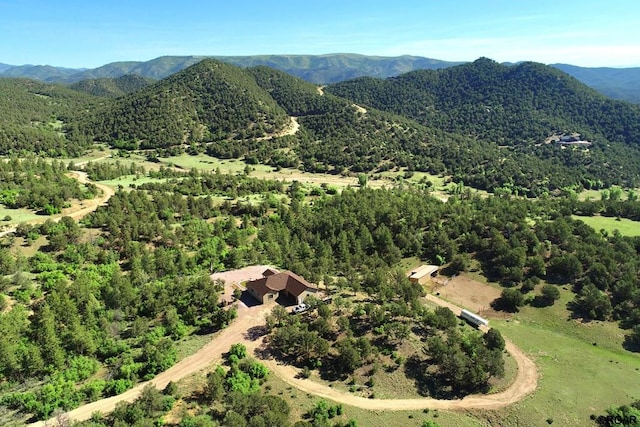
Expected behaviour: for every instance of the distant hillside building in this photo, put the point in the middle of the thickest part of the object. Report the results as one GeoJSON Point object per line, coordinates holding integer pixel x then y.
{"type": "Point", "coordinates": [274, 284]}
{"type": "Point", "coordinates": [423, 274]}
{"type": "Point", "coordinates": [574, 139]}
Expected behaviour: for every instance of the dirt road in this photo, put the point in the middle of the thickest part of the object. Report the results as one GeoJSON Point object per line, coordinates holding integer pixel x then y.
{"type": "Point", "coordinates": [84, 208]}
{"type": "Point", "coordinates": [89, 206]}
{"type": "Point", "coordinates": [239, 331]}
{"type": "Point", "coordinates": [524, 383]}
{"type": "Point", "coordinates": [204, 358]}
{"type": "Point", "coordinates": [291, 129]}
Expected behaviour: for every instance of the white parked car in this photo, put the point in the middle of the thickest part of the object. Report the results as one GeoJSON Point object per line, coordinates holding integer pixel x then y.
{"type": "Point", "coordinates": [300, 308]}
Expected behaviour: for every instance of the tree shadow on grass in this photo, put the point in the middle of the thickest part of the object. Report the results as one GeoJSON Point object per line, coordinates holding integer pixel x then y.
{"type": "Point", "coordinates": [630, 345]}
{"type": "Point", "coordinates": [329, 371]}
{"type": "Point", "coordinates": [427, 384]}
{"type": "Point", "coordinates": [254, 333]}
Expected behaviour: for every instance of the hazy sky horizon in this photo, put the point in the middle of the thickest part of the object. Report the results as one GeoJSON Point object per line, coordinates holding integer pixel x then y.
{"type": "Point", "coordinates": [80, 34]}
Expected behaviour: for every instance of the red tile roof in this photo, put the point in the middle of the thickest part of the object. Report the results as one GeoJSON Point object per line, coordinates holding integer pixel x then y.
{"type": "Point", "coordinates": [293, 283]}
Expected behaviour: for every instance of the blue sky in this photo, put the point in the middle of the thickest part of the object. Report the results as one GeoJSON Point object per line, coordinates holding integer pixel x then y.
{"type": "Point", "coordinates": [91, 33]}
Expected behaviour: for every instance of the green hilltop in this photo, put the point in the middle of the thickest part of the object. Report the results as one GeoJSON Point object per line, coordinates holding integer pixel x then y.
{"type": "Point", "coordinates": [208, 101]}
{"type": "Point", "coordinates": [112, 87]}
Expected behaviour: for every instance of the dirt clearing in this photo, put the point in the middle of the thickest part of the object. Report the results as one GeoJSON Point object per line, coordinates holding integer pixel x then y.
{"type": "Point", "coordinates": [233, 279]}
{"type": "Point", "coordinates": [468, 293]}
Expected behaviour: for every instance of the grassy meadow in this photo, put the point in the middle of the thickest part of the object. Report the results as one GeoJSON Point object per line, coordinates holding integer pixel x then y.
{"type": "Point", "coordinates": [625, 226]}
{"type": "Point", "coordinates": [583, 367]}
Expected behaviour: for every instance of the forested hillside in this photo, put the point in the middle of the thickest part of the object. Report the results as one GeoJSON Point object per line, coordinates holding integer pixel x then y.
{"type": "Point", "coordinates": [40, 118]}
{"type": "Point", "coordinates": [112, 87]}
{"type": "Point", "coordinates": [617, 83]}
{"type": "Point", "coordinates": [482, 123]}
{"type": "Point", "coordinates": [516, 108]}
{"type": "Point", "coordinates": [209, 101]}
{"type": "Point", "coordinates": [524, 103]}
{"type": "Point", "coordinates": [90, 308]}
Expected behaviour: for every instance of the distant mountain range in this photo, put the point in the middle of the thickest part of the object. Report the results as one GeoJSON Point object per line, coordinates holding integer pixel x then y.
{"type": "Point", "coordinates": [617, 83]}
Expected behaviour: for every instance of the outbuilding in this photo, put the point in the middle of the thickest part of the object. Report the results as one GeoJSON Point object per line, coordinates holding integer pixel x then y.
{"type": "Point", "coordinates": [423, 274]}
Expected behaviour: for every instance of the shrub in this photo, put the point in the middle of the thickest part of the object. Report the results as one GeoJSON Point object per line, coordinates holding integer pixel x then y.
{"type": "Point", "coordinates": [93, 390]}
{"type": "Point", "coordinates": [239, 350]}
{"type": "Point", "coordinates": [171, 389]}
{"type": "Point", "coordinates": [119, 386]}
{"type": "Point", "coordinates": [306, 372]}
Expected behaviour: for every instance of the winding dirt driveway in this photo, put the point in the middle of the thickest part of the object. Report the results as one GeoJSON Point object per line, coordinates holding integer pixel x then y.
{"type": "Point", "coordinates": [524, 383]}
{"type": "Point", "coordinates": [242, 330]}
{"type": "Point", "coordinates": [238, 332]}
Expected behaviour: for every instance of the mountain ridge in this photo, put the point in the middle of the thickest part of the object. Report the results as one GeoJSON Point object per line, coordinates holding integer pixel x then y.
{"type": "Point", "coordinates": [617, 83]}
{"type": "Point", "coordinates": [482, 123]}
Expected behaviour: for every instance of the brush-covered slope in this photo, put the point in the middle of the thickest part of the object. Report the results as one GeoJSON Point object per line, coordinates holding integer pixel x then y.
{"type": "Point", "coordinates": [39, 118]}
{"type": "Point", "coordinates": [337, 135]}
{"type": "Point", "coordinates": [209, 101]}
{"type": "Point", "coordinates": [334, 135]}
{"type": "Point", "coordinates": [505, 104]}
{"type": "Point", "coordinates": [517, 108]}
{"type": "Point", "coordinates": [112, 87]}
{"type": "Point", "coordinates": [296, 96]}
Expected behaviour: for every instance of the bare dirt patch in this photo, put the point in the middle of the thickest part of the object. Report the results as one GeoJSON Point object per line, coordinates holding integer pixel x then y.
{"type": "Point", "coordinates": [468, 293]}
{"type": "Point", "coordinates": [359, 109]}
{"type": "Point", "coordinates": [233, 279]}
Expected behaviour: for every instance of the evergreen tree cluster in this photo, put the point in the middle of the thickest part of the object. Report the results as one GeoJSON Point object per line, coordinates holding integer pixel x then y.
{"type": "Point", "coordinates": [40, 118]}
{"type": "Point", "coordinates": [39, 185]}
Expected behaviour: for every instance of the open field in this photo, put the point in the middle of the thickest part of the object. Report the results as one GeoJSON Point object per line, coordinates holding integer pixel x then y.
{"type": "Point", "coordinates": [233, 166]}
{"type": "Point", "coordinates": [597, 194]}
{"type": "Point", "coordinates": [577, 378]}
{"type": "Point", "coordinates": [439, 182]}
{"type": "Point", "coordinates": [17, 216]}
{"type": "Point", "coordinates": [626, 227]}
{"type": "Point", "coordinates": [125, 182]}
{"type": "Point", "coordinates": [583, 366]}
{"type": "Point", "coordinates": [468, 293]}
